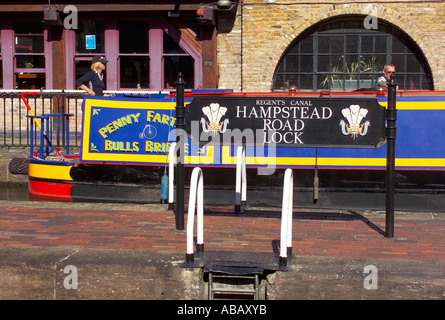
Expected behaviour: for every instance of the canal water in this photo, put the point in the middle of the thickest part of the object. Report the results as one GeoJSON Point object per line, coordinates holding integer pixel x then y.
{"type": "Point", "coordinates": [14, 193]}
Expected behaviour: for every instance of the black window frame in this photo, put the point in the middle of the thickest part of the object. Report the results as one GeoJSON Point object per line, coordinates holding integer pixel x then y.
{"type": "Point", "coordinates": [343, 28]}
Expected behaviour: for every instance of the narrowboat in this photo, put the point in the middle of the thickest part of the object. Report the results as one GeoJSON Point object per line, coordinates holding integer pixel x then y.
{"type": "Point", "coordinates": [126, 141]}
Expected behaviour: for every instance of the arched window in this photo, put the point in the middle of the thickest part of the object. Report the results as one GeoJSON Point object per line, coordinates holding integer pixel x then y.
{"type": "Point", "coordinates": [341, 55]}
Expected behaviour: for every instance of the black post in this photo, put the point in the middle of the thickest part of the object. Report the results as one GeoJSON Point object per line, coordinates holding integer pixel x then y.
{"type": "Point", "coordinates": [391, 117]}
{"type": "Point", "coordinates": [180, 129]}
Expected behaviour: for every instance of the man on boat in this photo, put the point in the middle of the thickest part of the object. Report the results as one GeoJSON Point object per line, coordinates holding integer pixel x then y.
{"type": "Point", "coordinates": [382, 81]}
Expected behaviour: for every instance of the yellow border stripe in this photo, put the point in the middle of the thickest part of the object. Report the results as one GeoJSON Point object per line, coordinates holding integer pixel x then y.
{"type": "Point", "coordinates": [417, 105]}
{"type": "Point", "coordinates": [48, 171]}
{"type": "Point", "coordinates": [333, 162]}
{"type": "Point", "coordinates": [148, 158]}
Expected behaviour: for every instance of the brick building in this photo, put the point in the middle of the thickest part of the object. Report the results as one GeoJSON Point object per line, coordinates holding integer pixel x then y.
{"type": "Point", "coordinates": [276, 43]}
{"type": "Point", "coordinates": [244, 45]}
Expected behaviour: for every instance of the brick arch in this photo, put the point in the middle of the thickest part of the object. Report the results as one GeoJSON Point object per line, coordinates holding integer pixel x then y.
{"type": "Point", "coordinates": [389, 15]}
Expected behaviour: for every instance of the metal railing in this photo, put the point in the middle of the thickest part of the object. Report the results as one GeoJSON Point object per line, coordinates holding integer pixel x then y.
{"type": "Point", "coordinates": [196, 198]}
{"type": "Point", "coordinates": [286, 217]}
{"type": "Point", "coordinates": [17, 105]}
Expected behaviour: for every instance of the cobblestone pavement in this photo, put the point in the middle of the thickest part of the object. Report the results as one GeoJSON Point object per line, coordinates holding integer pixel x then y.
{"type": "Point", "coordinates": [333, 233]}
{"type": "Point", "coordinates": [135, 252]}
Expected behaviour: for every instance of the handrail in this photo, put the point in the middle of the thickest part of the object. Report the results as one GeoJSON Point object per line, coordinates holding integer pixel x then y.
{"type": "Point", "coordinates": [171, 174]}
{"type": "Point", "coordinates": [241, 184]}
{"type": "Point", "coordinates": [22, 96]}
{"type": "Point", "coordinates": [44, 139]}
{"type": "Point", "coordinates": [196, 193]}
{"type": "Point", "coordinates": [286, 217]}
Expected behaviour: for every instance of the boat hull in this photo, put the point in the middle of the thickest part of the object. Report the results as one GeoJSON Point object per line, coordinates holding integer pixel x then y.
{"type": "Point", "coordinates": [124, 154]}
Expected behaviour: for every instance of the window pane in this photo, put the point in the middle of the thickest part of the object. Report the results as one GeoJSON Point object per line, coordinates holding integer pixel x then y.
{"type": "Point", "coordinates": [337, 44]}
{"type": "Point", "coordinates": [133, 37]}
{"type": "Point", "coordinates": [294, 50]}
{"type": "Point", "coordinates": [291, 81]}
{"type": "Point", "coordinates": [426, 82]}
{"type": "Point", "coordinates": [352, 65]}
{"type": "Point", "coordinates": [81, 67]}
{"type": "Point", "coordinates": [306, 82]}
{"type": "Point", "coordinates": [291, 63]}
{"type": "Point", "coordinates": [95, 32]}
{"type": "Point", "coordinates": [306, 46]}
{"type": "Point", "coordinates": [28, 61]}
{"type": "Point", "coordinates": [29, 44]}
{"type": "Point", "coordinates": [399, 61]}
{"type": "Point", "coordinates": [351, 44]}
{"type": "Point", "coordinates": [379, 62]}
{"type": "Point", "coordinates": [174, 65]}
{"type": "Point", "coordinates": [324, 64]}
{"type": "Point", "coordinates": [380, 44]}
{"type": "Point", "coordinates": [413, 82]}
{"type": "Point", "coordinates": [400, 79]}
{"type": "Point", "coordinates": [366, 44]}
{"type": "Point", "coordinates": [412, 64]}
{"type": "Point", "coordinates": [372, 63]}
{"type": "Point", "coordinates": [323, 45]}
{"type": "Point", "coordinates": [30, 80]}
{"type": "Point", "coordinates": [337, 63]}
{"type": "Point", "coordinates": [170, 46]}
{"type": "Point", "coordinates": [279, 82]}
{"type": "Point", "coordinates": [323, 82]}
{"type": "Point", "coordinates": [134, 72]}
{"type": "Point", "coordinates": [397, 46]}
{"type": "Point", "coordinates": [306, 63]}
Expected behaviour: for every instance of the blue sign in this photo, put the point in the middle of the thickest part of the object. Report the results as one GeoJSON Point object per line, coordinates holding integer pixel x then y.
{"type": "Point", "coordinates": [90, 42]}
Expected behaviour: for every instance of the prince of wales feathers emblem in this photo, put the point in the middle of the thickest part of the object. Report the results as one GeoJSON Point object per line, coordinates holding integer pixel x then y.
{"type": "Point", "coordinates": [354, 114]}
{"type": "Point", "coordinates": [214, 113]}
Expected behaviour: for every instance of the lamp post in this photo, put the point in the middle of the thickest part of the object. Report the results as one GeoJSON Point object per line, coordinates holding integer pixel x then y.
{"type": "Point", "coordinates": [391, 117]}
{"type": "Point", "coordinates": [180, 129]}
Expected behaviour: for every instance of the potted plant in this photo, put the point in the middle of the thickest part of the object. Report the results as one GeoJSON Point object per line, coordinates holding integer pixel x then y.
{"type": "Point", "coordinates": [335, 80]}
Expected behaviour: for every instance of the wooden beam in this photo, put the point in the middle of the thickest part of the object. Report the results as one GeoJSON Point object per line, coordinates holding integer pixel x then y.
{"type": "Point", "coordinates": [21, 7]}
{"type": "Point", "coordinates": [103, 7]}
{"type": "Point", "coordinates": [209, 62]}
{"type": "Point", "coordinates": [58, 43]}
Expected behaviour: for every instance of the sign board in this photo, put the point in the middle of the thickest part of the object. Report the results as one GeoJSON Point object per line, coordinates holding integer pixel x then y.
{"type": "Point", "coordinates": [286, 121]}
{"type": "Point", "coordinates": [132, 130]}
{"type": "Point", "coordinates": [90, 42]}
{"type": "Point", "coordinates": [140, 130]}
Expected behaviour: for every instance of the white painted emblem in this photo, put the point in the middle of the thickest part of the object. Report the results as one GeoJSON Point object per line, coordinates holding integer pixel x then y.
{"type": "Point", "coordinates": [354, 115]}
{"type": "Point", "coordinates": [214, 113]}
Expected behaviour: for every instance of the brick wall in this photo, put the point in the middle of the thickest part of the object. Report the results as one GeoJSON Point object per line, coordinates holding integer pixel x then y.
{"type": "Point", "coordinates": [265, 30]}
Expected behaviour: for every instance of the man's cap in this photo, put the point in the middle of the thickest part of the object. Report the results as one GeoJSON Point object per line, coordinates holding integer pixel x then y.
{"type": "Point", "coordinates": [99, 59]}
